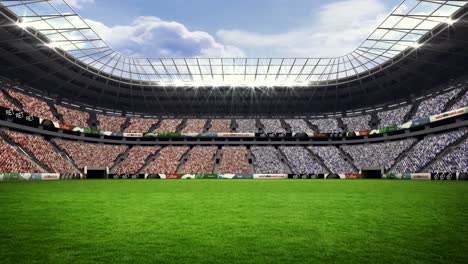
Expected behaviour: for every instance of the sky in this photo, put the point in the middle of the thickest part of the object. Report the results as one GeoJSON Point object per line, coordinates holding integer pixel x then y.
{"type": "Point", "coordinates": [234, 28]}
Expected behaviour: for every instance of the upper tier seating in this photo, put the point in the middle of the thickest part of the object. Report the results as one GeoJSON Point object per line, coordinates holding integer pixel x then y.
{"type": "Point", "coordinates": [234, 161]}
{"type": "Point", "coordinates": [194, 126]}
{"type": "Point", "coordinates": [201, 160]}
{"type": "Point", "coordinates": [110, 123]}
{"type": "Point", "coordinates": [43, 151]}
{"type": "Point", "coordinates": [33, 105]}
{"type": "Point", "coordinates": [5, 102]}
{"type": "Point", "coordinates": [140, 125]}
{"type": "Point", "coordinates": [168, 126]}
{"type": "Point", "coordinates": [167, 161]}
{"type": "Point", "coordinates": [326, 125]}
{"type": "Point", "coordinates": [463, 102]}
{"type": "Point", "coordinates": [272, 126]}
{"type": "Point", "coordinates": [267, 161]}
{"type": "Point", "coordinates": [357, 123]}
{"type": "Point", "coordinates": [455, 161]}
{"type": "Point", "coordinates": [73, 116]}
{"type": "Point", "coordinates": [11, 161]}
{"type": "Point", "coordinates": [298, 126]}
{"type": "Point", "coordinates": [92, 155]}
{"type": "Point", "coordinates": [435, 105]}
{"type": "Point", "coordinates": [301, 162]}
{"type": "Point", "coordinates": [220, 126]}
{"type": "Point", "coordinates": [136, 159]}
{"type": "Point", "coordinates": [246, 126]}
{"type": "Point", "coordinates": [426, 150]}
{"type": "Point", "coordinates": [377, 154]}
{"type": "Point", "coordinates": [333, 160]}
{"type": "Point", "coordinates": [393, 117]}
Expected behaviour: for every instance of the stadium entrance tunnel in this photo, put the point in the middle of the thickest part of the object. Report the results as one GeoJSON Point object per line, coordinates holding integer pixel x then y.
{"type": "Point", "coordinates": [372, 173]}
{"type": "Point", "coordinates": [97, 173]}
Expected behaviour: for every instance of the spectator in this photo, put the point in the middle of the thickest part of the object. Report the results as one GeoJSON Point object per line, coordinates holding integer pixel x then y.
{"type": "Point", "coordinates": [326, 125]}
{"type": "Point", "coordinates": [301, 162]}
{"type": "Point", "coordinates": [393, 117]}
{"type": "Point", "coordinates": [201, 160]}
{"type": "Point", "coordinates": [246, 126]}
{"type": "Point", "coordinates": [140, 125]}
{"type": "Point", "coordinates": [298, 126]}
{"type": "Point", "coordinates": [357, 123]}
{"type": "Point", "coordinates": [73, 116]}
{"type": "Point", "coordinates": [435, 105]}
{"type": "Point", "coordinates": [135, 160]}
{"type": "Point", "coordinates": [168, 126]}
{"type": "Point", "coordinates": [5, 102]}
{"type": "Point", "coordinates": [266, 161]}
{"type": "Point", "coordinates": [194, 126]}
{"type": "Point", "coordinates": [234, 161]}
{"type": "Point", "coordinates": [11, 161]}
{"type": "Point", "coordinates": [220, 126]}
{"type": "Point", "coordinates": [453, 162]}
{"type": "Point", "coordinates": [333, 160]}
{"type": "Point", "coordinates": [32, 105]}
{"type": "Point", "coordinates": [110, 123]}
{"type": "Point", "coordinates": [272, 126]}
{"type": "Point", "coordinates": [463, 102]}
{"type": "Point", "coordinates": [167, 161]}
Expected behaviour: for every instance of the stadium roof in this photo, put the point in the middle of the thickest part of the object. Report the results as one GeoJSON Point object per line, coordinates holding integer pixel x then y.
{"type": "Point", "coordinates": [58, 26]}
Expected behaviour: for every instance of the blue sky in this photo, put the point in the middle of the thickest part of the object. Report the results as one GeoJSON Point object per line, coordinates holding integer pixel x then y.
{"type": "Point", "coordinates": [216, 28]}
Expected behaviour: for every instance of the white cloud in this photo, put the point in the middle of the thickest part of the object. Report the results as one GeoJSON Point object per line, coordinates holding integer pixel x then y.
{"type": "Point", "coordinates": [151, 36]}
{"type": "Point", "coordinates": [337, 29]}
{"type": "Point", "coordinates": [78, 4]}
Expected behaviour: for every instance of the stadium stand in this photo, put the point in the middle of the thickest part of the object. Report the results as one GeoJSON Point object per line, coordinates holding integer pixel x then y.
{"type": "Point", "coordinates": [168, 126]}
{"type": "Point", "coordinates": [73, 116]}
{"type": "Point", "coordinates": [357, 123]}
{"type": "Point", "coordinates": [11, 161]}
{"type": "Point", "coordinates": [110, 123]}
{"type": "Point", "coordinates": [454, 161]}
{"type": "Point", "coordinates": [220, 126]}
{"type": "Point", "coordinates": [201, 160]}
{"type": "Point", "coordinates": [33, 105]}
{"type": "Point", "coordinates": [5, 102]}
{"type": "Point", "coordinates": [234, 160]}
{"type": "Point", "coordinates": [266, 161]}
{"type": "Point", "coordinates": [301, 161]}
{"type": "Point", "coordinates": [333, 159]}
{"type": "Point", "coordinates": [140, 125]}
{"type": "Point", "coordinates": [272, 126]}
{"type": "Point", "coordinates": [426, 150]}
{"type": "Point", "coordinates": [194, 126]}
{"type": "Point", "coordinates": [377, 154]}
{"type": "Point", "coordinates": [463, 102]}
{"type": "Point", "coordinates": [135, 160]}
{"type": "Point", "coordinates": [298, 126]}
{"type": "Point", "coordinates": [326, 125]}
{"type": "Point", "coordinates": [92, 155]}
{"type": "Point", "coordinates": [167, 161]}
{"type": "Point", "coordinates": [435, 105]}
{"type": "Point", "coordinates": [393, 117]}
{"type": "Point", "coordinates": [246, 126]}
{"type": "Point", "coordinates": [43, 152]}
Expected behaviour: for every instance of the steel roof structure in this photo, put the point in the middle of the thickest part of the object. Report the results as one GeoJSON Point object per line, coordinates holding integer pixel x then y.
{"type": "Point", "coordinates": [59, 27]}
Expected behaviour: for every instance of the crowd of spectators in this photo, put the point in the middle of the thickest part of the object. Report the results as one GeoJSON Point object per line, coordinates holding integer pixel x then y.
{"type": "Point", "coordinates": [425, 151]}
{"type": "Point", "coordinates": [140, 125]}
{"type": "Point", "coordinates": [377, 154]}
{"type": "Point", "coordinates": [333, 160]}
{"type": "Point", "coordinates": [43, 151]}
{"type": "Point", "coordinates": [453, 162]}
{"type": "Point", "coordinates": [32, 105]}
{"type": "Point", "coordinates": [272, 126]}
{"type": "Point", "coordinates": [326, 125]}
{"type": "Point", "coordinates": [201, 160]}
{"type": "Point", "coordinates": [234, 161]}
{"type": "Point", "coordinates": [11, 161]}
{"type": "Point", "coordinates": [5, 102]}
{"type": "Point", "coordinates": [220, 126]}
{"type": "Point", "coordinates": [135, 160]}
{"type": "Point", "coordinates": [463, 102]}
{"type": "Point", "coordinates": [89, 154]}
{"type": "Point", "coordinates": [246, 126]}
{"type": "Point", "coordinates": [266, 161]}
{"type": "Point", "coordinates": [298, 126]}
{"type": "Point", "coordinates": [301, 162]}
{"type": "Point", "coordinates": [168, 126]}
{"type": "Point", "coordinates": [167, 161]}
{"type": "Point", "coordinates": [393, 117]}
{"type": "Point", "coordinates": [194, 126]}
{"type": "Point", "coordinates": [73, 117]}
{"type": "Point", "coordinates": [110, 123]}
{"type": "Point", "coordinates": [357, 123]}
{"type": "Point", "coordinates": [435, 105]}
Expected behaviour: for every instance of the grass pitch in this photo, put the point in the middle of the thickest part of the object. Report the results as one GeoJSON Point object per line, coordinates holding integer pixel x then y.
{"type": "Point", "coordinates": [234, 221]}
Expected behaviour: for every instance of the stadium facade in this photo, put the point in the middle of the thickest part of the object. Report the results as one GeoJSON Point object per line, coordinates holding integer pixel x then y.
{"type": "Point", "coordinates": [395, 107]}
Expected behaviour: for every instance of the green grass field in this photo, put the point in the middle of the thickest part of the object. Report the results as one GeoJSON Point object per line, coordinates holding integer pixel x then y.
{"type": "Point", "coordinates": [234, 221]}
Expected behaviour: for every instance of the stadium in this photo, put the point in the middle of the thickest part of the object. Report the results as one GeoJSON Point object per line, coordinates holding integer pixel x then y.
{"type": "Point", "coordinates": [109, 155]}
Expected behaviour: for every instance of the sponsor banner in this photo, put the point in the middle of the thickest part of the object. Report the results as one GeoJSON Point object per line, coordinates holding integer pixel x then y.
{"type": "Point", "coordinates": [133, 135]}
{"type": "Point", "coordinates": [236, 176]}
{"type": "Point", "coordinates": [353, 176]}
{"type": "Point", "coordinates": [70, 176]}
{"type": "Point", "coordinates": [392, 176]}
{"type": "Point", "coordinates": [36, 176]}
{"type": "Point", "coordinates": [48, 123]}
{"type": "Point", "coordinates": [66, 127]}
{"type": "Point", "coordinates": [91, 131]}
{"type": "Point", "coordinates": [169, 135]}
{"type": "Point", "coordinates": [443, 176]}
{"type": "Point", "coordinates": [374, 132]}
{"type": "Point", "coordinates": [421, 122]}
{"type": "Point", "coordinates": [450, 114]}
{"type": "Point", "coordinates": [206, 176]}
{"type": "Point", "coordinates": [462, 176]}
{"type": "Point", "coordinates": [50, 176]}
{"type": "Point", "coordinates": [406, 125]}
{"type": "Point", "coordinates": [173, 176]}
{"type": "Point", "coordinates": [251, 135]}
{"type": "Point", "coordinates": [352, 134]}
{"type": "Point", "coordinates": [9, 177]}
{"type": "Point", "coordinates": [155, 176]}
{"type": "Point", "coordinates": [19, 116]}
{"type": "Point", "coordinates": [270, 176]}
{"type": "Point", "coordinates": [306, 176]}
{"type": "Point", "coordinates": [273, 135]}
{"type": "Point", "coordinates": [335, 176]}
{"type": "Point", "coordinates": [420, 176]}
{"type": "Point", "coordinates": [301, 135]}
{"type": "Point", "coordinates": [126, 176]}
{"type": "Point", "coordinates": [388, 129]}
